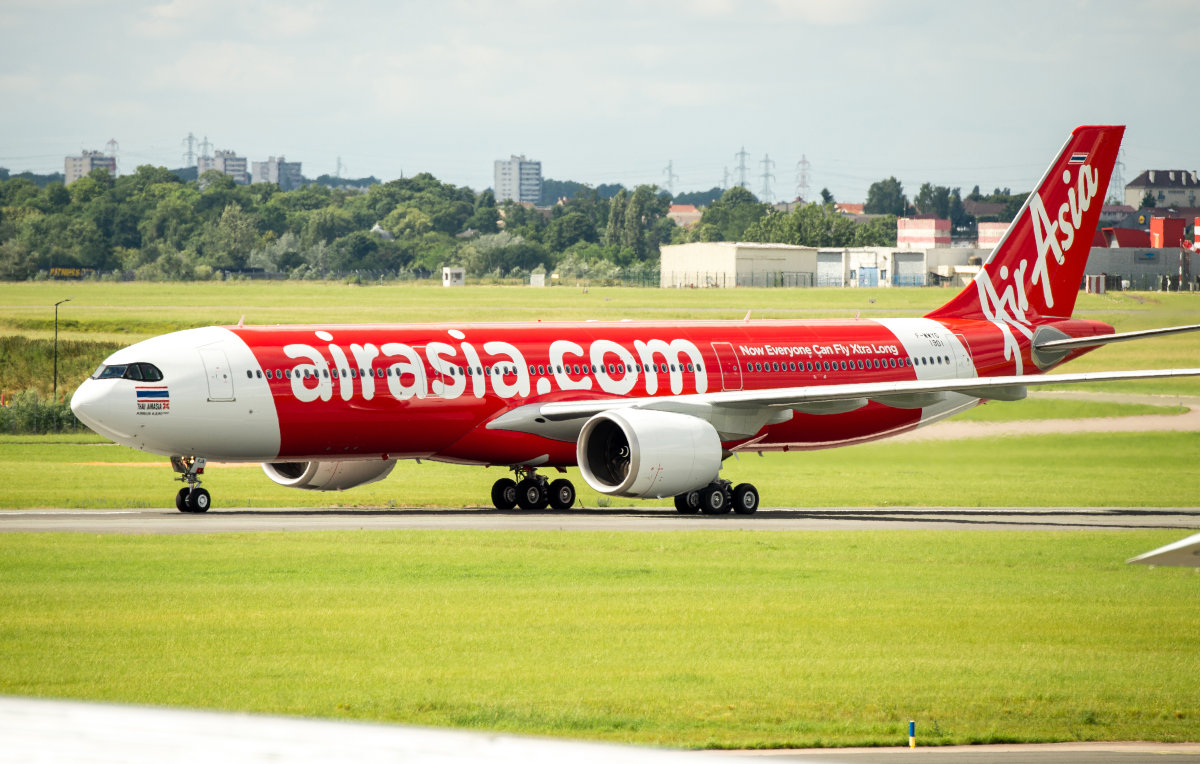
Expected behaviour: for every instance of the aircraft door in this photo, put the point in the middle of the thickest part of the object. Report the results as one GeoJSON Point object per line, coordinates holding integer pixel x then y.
{"type": "Point", "coordinates": [964, 363]}
{"type": "Point", "coordinates": [218, 373]}
{"type": "Point", "coordinates": [727, 362]}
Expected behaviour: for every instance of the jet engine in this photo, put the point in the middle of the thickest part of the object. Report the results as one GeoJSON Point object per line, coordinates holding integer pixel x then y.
{"type": "Point", "coordinates": [328, 476]}
{"type": "Point", "coordinates": [646, 454]}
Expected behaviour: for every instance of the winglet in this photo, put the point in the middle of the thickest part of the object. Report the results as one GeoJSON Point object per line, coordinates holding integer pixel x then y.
{"type": "Point", "coordinates": [747, 318]}
{"type": "Point", "coordinates": [242, 321]}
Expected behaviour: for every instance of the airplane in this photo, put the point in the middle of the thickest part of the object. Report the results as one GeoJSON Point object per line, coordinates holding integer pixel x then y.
{"type": "Point", "coordinates": [645, 410]}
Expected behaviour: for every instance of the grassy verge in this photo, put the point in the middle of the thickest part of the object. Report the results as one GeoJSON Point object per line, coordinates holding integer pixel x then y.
{"type": "Point", "coordinates": [700, 639]}
{"type": "Point", "coordinates": [1119, 469]}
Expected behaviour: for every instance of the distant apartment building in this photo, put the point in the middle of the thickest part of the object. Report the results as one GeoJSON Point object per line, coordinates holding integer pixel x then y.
{"type": "Point", "coordinates": [229, 163]}
{"type": "Point", "coordinates": [1170, 188]}
{"type": "Point", "coordinates": [519, 179]}
{"type": "Point", "coordinates": [77, 167]}
{"type": "Point", "coordinates": [278, 170]}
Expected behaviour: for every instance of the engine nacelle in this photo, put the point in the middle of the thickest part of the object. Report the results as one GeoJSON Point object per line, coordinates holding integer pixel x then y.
{"type": "Point", "coordinates": [646, 454]}
{"type": "Point", "coordinates": [328, 476]}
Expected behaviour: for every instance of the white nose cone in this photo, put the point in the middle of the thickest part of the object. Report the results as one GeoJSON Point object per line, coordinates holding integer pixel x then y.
{"type": "Point", "coordinates": [96, 403]}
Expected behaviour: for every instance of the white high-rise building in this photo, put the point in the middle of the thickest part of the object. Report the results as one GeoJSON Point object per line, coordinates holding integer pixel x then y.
{"type": "Point", "coordinates": [519, 179]}
{"type": "Point", "coordinates": [286, 174]}
{"type": "Point", "coordinates": [77, 167]}
{"type": "Point", "coordinates": [227, 162]}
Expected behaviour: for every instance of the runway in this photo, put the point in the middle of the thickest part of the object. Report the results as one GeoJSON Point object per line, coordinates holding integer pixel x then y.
{"type": "Point", "coordinates": [249, 520]}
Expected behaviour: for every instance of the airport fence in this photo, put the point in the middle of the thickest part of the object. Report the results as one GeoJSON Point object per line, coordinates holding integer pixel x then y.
{"type": "Point", "coordinates": [1145, 282]}
{"type": "Point", "coordinates": [723, 280]}
{"type": "Point", "coordinates": [27, 413]}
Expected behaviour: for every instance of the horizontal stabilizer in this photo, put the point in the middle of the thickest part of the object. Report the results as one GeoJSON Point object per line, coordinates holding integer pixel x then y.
{"type": "Point", "coordinates": [1104, 339]}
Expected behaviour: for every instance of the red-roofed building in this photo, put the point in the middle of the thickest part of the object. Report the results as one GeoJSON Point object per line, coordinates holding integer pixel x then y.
{"type": "Point", "coordinates": [849, 209]}
{"type": "Point", "coordinates": [684, 215]}
{"type": "Point", "coordinates": [1126, 237]}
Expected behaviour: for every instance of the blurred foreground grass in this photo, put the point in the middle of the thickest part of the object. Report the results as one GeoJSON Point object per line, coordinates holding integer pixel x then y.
{"type": "Point", "coordinates": [698, 639]}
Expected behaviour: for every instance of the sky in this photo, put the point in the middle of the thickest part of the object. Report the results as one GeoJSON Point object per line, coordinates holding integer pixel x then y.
{"type": "Point", "coordinates": [954, 93]}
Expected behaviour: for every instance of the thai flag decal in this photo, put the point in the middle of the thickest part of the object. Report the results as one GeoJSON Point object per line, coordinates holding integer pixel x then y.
{"type": "Point", "coordinates": [153, 400]}
{"type": "Point", "coordinates": [1079, 157]}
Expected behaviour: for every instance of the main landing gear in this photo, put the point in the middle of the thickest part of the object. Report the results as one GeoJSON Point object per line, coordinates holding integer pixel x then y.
{"type": "Point", "coordinates": [191, 498]}
{"type": "Point", "coordinates": [718, 498]}
{"type": "Point", "coordinates": [532, 491]}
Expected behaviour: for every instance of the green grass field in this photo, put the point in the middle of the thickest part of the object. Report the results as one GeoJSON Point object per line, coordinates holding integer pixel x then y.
{"type": "Point", "coordinates": [1118, 469]}
{"type": "Point", "coordinates": [705, 639]}
{"type": "Point", "coordinates": [113, 315]}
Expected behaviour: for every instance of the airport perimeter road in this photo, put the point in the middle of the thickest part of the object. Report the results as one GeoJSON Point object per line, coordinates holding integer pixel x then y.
{"type": "Point", "coordinates": [614, 519]}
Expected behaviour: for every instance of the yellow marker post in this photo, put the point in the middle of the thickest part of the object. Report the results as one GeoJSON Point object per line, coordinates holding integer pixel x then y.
{"type": "Point", "coordinates": [912, 733]}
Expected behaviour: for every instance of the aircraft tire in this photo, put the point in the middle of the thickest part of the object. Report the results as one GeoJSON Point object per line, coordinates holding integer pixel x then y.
{"type": "Point", "coordinates": [713, 500]}
{"type": "Point", "coordinates": [688, 503]}
{"type": "Point", "coordinates": [745, 499]}
{"type": "Point", "coordinates": [504, 494]}
{"type": "Point", "coordinates": [562, 494]}
{"type": "Point", "coordinates": [181, 500]}
{"type": "Point", "coordinates": [198, 501]}
{"type": "Point", "coordinates": [530, 495]}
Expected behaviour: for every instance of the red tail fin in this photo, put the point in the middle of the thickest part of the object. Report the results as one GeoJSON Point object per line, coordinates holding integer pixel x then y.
{"type": "Point", "coordinates": [1036, 268]}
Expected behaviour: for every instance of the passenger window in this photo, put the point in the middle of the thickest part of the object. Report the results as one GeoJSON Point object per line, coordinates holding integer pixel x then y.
{"type": "Point", "coordinates": [325, 373]}
{"type": "Point", "coordinates": [258, 374]}
{"type": "Point", "coordinates": [699, 367]}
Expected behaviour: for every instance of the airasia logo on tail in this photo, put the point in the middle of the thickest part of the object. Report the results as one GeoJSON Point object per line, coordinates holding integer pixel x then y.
{"type": "Point", "coordinates": [1070, 216]}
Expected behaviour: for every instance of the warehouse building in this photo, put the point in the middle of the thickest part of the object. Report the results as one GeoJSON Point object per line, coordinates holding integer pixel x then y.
{"type": "Point", "coordinates": [726, 264]}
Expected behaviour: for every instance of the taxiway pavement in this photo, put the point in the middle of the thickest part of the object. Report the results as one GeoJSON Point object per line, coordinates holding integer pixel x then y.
{"type": "Point", "coordinates": [245, 520]}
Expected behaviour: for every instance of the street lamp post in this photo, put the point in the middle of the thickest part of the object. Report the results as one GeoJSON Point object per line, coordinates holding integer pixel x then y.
{"type": "Point", "coordinates": [54, 399]}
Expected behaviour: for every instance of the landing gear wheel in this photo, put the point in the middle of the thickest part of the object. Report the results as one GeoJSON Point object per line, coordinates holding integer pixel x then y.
{"type": "Point", "coordinates": [745, 499]}
{"type": "Point", "coordinates": [688, 503]}
{"type": "Point", "coordinates": [504, 494]}
{"type": "Point", "coordinates": [713, 500]}
{"type": "Point", "coordinates": [198, 500]}
{"type": "Point", "coordinates": [181, 500]}
{"type": "Point", "coordinates": [531, 495]}
{"type": "Point", "coordinates": [562, 494]}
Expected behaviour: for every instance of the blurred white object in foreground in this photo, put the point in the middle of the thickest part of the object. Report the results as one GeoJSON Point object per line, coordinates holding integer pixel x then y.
{"type": "Point", "coordinates": [65, 732]}
{"type": "Point", "coordinates": [1181, 554]}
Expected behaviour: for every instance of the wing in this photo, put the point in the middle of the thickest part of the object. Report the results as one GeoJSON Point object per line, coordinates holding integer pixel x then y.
{"type": "Point", "coordinates": [836, 399]}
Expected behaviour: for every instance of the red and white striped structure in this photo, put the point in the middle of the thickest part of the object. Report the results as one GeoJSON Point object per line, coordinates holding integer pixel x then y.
{"type": "Point", "coordinates": [990, 234]}
{"type": "Point", "coordinates": [922, 233]}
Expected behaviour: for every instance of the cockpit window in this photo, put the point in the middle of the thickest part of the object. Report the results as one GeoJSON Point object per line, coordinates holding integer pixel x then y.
{"type": "Point", "coordinates": [142, 372]}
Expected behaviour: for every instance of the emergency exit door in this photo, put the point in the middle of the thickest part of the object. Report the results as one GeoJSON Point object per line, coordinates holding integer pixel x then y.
{"type": "Point", "coordinates": [727, 362]}
{"type": "Point", "coordinates": [220, 376]}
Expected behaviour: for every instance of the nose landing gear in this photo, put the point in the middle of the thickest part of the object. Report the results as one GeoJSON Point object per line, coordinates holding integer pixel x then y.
{"type": "Point", "coordinates": [533, 491]}
{"type": "Point", "coordinates": [191, 498]}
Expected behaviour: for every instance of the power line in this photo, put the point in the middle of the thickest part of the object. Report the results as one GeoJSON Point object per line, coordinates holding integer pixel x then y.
{"type": "Point", "coordinates": [112, 148]}
{"type": "Point", "coordinates": [741, 157]}
{"type": "Point", "coordinates": [671, 176]}
{"type": "Point", "coordinates": [189, 156]}
{"type": "Point", "coordinates": [767, 177]}
{"type": "Point", "coordinates": [1116, 183]}
{"type": "Point", "coordinates": [802, 168]}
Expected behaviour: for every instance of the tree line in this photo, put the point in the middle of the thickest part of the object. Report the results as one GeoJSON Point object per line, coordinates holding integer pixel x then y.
{"type": "Point", "coordinates": [155, 224]}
